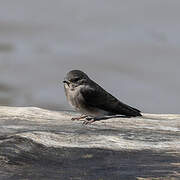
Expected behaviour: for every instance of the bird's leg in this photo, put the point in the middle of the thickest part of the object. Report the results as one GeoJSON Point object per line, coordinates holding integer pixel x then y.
{"type": "Point", "coordinates": [90, 120]}
{"type": "Point", "coordinates": [78, 118]}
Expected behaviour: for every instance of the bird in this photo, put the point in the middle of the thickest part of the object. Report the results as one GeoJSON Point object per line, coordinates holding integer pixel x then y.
{"type": "Point", "coordinates": [90, 99]}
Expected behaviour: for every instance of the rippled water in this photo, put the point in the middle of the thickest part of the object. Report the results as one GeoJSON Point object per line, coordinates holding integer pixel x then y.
{"type": "Point", "coordinates": [131, 48]}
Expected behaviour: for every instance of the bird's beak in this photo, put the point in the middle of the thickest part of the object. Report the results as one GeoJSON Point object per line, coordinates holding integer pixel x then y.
{"type": "Point", "coordinates": [66, 82]}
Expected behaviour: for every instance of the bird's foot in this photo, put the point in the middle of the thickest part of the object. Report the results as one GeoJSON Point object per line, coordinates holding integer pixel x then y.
{"type": "Point", "coordinates": [89, 120]}
{"type": "Point", "coordinates": [78, 118]}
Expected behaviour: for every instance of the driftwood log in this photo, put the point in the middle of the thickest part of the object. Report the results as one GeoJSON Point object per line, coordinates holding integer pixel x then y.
{"type": "Point", "coordinates": [41, 144]}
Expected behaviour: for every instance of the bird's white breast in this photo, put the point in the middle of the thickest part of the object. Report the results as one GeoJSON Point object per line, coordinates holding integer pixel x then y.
{"type": "Point", "coordinates": [73, 96]}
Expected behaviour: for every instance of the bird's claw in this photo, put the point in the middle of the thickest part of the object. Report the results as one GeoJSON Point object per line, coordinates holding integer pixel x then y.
{"type": "Point", "coordinates": [89, 120]}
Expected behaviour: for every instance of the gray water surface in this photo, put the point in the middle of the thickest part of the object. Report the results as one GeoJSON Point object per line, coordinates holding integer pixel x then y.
{"type": "Point", "coordinates": [131, 48]}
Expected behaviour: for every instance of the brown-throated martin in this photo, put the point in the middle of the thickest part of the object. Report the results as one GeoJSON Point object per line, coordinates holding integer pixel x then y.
{"type": "Point", "coordinates": [92, 100]}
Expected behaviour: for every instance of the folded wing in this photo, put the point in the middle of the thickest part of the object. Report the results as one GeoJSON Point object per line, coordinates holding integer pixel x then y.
{"type": "Point", "coordinates": [99, 98]}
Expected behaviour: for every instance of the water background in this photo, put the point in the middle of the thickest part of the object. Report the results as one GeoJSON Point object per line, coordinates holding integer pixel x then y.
{"type": "Point", "coordinates": [131, 48]}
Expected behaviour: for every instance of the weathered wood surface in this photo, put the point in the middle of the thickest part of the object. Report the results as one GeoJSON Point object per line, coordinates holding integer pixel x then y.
{"type": "Point", "coordinates": [41, 144]}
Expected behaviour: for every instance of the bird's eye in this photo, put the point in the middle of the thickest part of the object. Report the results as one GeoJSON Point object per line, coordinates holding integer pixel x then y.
{"type": "Point", "coordinates": [75, 79]}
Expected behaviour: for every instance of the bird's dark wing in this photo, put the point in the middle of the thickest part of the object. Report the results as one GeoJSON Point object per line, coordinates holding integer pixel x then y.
{"type": "Point", "coordinates": [97, 97]}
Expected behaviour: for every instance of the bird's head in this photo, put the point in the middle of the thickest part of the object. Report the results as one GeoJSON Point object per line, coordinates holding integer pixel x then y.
{"type": "Point", "coordinates": [75, 78]}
